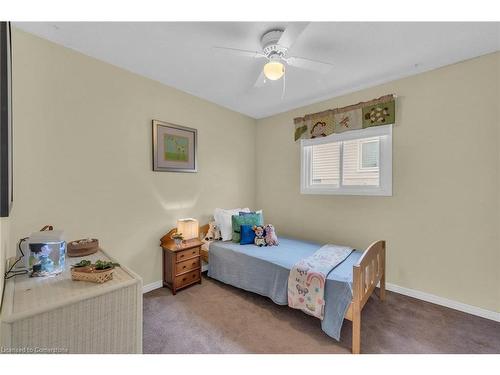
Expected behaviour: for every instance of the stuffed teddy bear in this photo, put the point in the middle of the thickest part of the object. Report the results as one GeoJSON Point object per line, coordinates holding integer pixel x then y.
{"type": "Point", "coordinates": [213, 233]}
{"type": "Point", "coordinates": [270, 237]}
{"type": "Point", "coordinates": [259, 236]}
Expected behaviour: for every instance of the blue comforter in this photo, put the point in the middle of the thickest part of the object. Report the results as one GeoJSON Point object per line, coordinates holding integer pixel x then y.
{"type": "Point", "coordinates": [265, 270]}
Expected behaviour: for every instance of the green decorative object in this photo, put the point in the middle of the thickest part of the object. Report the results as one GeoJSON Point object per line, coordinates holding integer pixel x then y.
{"type": "Point", "coordinates": [177, 236]}
{"type": "Point", "coordinates": [379, 114]}
{"type": "Point", "coordinates": [376, 112]}
{"type": "Point", "coordinates": [82, 263]}
{"type": "Point", "coordinates": [98, 265]}
{"type": "Point", "coordinates": [238, 221]}
{"type": "Point", "coordinates": [104, 265]}
{"type": "Point", "coordinates": [299, 131]}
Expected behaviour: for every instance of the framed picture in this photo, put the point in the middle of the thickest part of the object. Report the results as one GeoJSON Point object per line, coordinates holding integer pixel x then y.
{"type": "Point", "coordinates": [174, 147]}
{"type": "Point", "coordinates": [6, 187]}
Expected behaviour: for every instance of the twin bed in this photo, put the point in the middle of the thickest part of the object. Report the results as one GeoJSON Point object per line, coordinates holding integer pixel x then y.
{"type": "Point", "coordinates": [265, 270]}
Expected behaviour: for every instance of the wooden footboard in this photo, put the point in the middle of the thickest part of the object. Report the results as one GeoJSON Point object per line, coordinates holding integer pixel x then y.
{"type": "Point", "coordinates": [367, 273]}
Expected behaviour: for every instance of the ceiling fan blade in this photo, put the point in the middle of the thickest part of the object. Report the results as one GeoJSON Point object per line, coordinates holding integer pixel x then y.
{"type": "Point", "coordinates": [291, 33]}
{"type": "Point", "coordinates": [308, 64]}
{"type": "Point", "coordinates": [261, 80]}
{"type": "Point", "coordinates": [240, 52]}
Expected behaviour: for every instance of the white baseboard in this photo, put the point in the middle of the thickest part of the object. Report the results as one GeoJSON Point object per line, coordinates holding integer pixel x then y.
{"type": "Point", "coordinates": [492, 315]}
{"type": "Point", "coordinates": [469, 309]}
{"type": "Point", "coordinates": [149, 287]}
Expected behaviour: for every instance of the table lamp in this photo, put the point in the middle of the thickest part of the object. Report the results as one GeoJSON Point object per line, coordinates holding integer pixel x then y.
{"type": "Point", "coordinates": [188, 227]}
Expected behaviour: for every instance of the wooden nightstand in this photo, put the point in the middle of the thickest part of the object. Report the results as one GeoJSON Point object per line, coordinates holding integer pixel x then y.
{"type": "Point", "coordinates": [181, 265]}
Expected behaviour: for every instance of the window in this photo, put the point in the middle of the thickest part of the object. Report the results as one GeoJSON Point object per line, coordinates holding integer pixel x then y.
{"type": "Point", "coordinates": [368, 154]}
{"type": "Point", "coordinates": [357, 162]}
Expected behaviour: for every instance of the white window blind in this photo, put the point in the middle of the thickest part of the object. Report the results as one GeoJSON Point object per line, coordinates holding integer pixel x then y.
{"type": "Point", "coordinates": [325, 164]}
{"type": "Point", "coordinates": [355, 162]}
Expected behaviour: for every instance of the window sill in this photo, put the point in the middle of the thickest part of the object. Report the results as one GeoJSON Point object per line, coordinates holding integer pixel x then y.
{"type": "Point", "coordinates": [361, 192]}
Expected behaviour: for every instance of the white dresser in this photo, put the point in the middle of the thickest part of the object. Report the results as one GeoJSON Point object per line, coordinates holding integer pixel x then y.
{"type": "Point", "coordinates": [58, 315]}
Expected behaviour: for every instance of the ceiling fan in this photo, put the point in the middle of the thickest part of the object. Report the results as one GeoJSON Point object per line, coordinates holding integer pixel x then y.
{"type": "Point", "coordinates": [275, 45]}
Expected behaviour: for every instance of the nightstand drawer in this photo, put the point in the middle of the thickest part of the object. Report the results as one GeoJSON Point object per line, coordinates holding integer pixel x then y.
{"type": "Point", "coordinates": [187, 265]}
{"type": "Point", "coordinates": [186, 254]}
{"type": "Point", "coordinates": [187, 278]}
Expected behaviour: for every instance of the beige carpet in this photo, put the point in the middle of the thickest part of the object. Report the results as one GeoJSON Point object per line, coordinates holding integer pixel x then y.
{"type": "Point", "coordinates": [217, 318]}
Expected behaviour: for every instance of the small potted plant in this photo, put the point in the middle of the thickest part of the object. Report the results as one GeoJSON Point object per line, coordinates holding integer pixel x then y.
{"type": "Point", "coordinates": [178, 238]}
{"type": "Point", "coordinates": [101, 265]}
{"type": "Point", "coordinates": [99, 272]}
{"type": "Point", "coordinates": [83, 264]}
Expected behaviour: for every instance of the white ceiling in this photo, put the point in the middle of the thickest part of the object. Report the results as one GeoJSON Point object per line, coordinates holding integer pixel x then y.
{"type": "Point", "coordinates": [179, 54]}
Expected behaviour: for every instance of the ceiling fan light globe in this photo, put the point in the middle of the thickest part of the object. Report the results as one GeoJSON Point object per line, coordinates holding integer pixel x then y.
{"type": "Point", "coordinates": [274, 70]}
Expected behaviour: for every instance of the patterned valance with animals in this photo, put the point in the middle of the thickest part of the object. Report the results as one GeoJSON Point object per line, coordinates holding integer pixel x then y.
{"type": "Point", "coordinates": [381, 111]}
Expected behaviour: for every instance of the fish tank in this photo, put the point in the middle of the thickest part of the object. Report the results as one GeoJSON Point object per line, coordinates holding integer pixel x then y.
{"type": "Point", "coordinates": [47, 253]}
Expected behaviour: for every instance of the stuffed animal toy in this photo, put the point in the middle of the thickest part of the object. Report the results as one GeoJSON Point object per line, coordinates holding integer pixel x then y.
{"type": "Point", "coordinates": [270, 237]}
{"type": "Point", "coordinates": [213, 233]}
{"type": "Point", "coordinates": [259, 236]}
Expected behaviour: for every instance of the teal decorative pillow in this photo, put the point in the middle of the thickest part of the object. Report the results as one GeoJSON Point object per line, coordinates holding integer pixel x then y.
{"type": "Point", "coordinates": [238, 221]}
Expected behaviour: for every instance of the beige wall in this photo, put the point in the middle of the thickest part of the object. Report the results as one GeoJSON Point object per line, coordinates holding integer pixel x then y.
{"type": "Point", "coordinates": [442, 222]}
{"type": "Point", "coordinates": [83, 163]}
{"type": "Point", "coordinates": [82, 154]}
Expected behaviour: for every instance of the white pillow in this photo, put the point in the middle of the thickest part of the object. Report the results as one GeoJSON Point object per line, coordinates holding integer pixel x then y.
{"type": "Point", "coordinates": [223, 220]}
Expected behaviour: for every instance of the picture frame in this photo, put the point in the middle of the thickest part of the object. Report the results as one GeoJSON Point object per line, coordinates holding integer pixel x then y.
{"type": "Point", "coordinates": [6, 176]}
{"type": "Point", "coordinates": [174, 148]}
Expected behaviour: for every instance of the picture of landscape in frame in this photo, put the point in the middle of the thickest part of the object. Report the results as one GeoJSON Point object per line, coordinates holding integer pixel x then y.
{"type": "Point", "coordinates": [174, 147]}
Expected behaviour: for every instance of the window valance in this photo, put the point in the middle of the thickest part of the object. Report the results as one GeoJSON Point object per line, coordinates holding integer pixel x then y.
{"type": "Point", "coordinates": [381, 111]}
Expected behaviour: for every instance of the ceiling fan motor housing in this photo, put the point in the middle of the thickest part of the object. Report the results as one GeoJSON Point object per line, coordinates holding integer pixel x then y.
{"type": "Point", "coordinates": [270, 46]}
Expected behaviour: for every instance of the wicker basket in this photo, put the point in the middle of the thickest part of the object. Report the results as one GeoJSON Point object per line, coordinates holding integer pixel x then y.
{"type": "Point", "coordinates": [82, 249]}
{"type": "Point", "coordinates": [91, 274]}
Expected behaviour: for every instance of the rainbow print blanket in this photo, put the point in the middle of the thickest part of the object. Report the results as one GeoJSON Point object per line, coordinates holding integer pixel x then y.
{"type": "Point", "coordinates": [306, 282]}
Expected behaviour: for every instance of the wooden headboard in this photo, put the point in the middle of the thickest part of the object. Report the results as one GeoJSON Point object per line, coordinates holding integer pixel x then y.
{"type": "Point", "coordinates": [167, 238]}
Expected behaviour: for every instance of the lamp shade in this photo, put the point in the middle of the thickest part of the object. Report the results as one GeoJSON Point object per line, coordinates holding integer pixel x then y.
{"type": "Point", "coordinates": [188, 227]}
